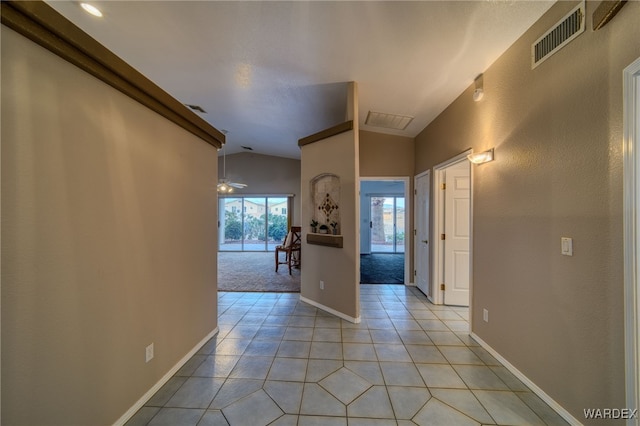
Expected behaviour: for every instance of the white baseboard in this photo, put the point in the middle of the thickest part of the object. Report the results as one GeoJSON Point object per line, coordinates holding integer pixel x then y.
{"type": "Point", "coordinates": [331, 311]}
{"type": "Point", "coordinates": [147, 396]}
{"type": "Point", "coordinates": [524, 379]}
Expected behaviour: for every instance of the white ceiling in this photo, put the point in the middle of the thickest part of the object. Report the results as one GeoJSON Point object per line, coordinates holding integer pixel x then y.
{"type": "Point", "coordinates": [273, 72]}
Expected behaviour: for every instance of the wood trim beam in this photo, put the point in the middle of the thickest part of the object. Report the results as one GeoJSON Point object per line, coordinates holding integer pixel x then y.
{"type": "Point", "coordinates": [332, 131]}
{"type": "Point", "coordinates": [45, 26]}
{"type": "Point", "coordinates": [605, 12]}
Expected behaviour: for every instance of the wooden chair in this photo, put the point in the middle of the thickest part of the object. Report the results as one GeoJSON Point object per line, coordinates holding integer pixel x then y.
{"type": "Point", "coordinates": [291, 248]}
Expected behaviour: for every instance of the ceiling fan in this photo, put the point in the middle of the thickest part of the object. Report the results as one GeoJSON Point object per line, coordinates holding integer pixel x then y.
{"type": "Point", "coordinates": [225, 186]}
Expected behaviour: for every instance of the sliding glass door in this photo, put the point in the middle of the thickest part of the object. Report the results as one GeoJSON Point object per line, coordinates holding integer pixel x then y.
{"type": "Point", "coordinates": [277, 221]}
{"type": "Point", "coordinates": [230, 224]}
{"type": "Point", "coordinates": [252, 223]}
{"type": "Point", "coordinates": [387, 224]}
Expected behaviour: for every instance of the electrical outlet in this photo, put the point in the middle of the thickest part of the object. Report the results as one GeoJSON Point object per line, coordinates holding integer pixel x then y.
{"type": "Point", "coordinates": [148, 353]}
{"type": "Point", "coordinates": [321, 285]}
{"type": "Point", "coordinates": [567, 246]}
{"type": "Point", "coordinates": [485, 315]}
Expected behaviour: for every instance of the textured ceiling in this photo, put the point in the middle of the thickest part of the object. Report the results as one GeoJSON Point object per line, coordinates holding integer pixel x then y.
{"type": "Point", "coordinates": [273, 72]}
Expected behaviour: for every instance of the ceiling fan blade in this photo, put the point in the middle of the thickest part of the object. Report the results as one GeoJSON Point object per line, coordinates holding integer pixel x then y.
{"type": "Point", "coordinates": [224, 181]}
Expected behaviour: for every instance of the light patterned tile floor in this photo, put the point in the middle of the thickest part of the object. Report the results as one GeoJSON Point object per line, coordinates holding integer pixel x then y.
{"type": "Point", "coordinates": [279, 361]}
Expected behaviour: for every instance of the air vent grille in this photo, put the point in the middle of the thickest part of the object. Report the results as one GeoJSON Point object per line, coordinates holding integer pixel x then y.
{"type": "Point", "coordinates": [197, 108]}
{"type": "Point", "coordinates": [569, 27]}
{"type": "Point", "coordinates": [389, 121]}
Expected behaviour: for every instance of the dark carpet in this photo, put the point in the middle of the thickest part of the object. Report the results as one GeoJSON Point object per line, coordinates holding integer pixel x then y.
{"type": "Point", "coordinates": [255, 271]}
{"type": "Point", "coordinates": [382, 268]}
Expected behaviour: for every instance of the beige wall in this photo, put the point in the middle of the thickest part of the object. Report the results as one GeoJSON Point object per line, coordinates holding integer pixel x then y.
{"type": "Point", "coordinates": [384, 155]}
{"type": "Point", "coordinates": [265, 174]}
{"type": "Point", "coordinates": [557, 133]}
{"type": "Point", "coordinates": [339, 268]}
{"type": "Point", "coordinates": [108, 243]}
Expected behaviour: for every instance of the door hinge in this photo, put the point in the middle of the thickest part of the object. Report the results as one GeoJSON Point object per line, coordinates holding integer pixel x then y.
{"type": "Point", "coordinates": [443, 186]}
{"type": "Point", "coordinates": [441, 286]}
{"type": "Point", "coordinates": [415, 232]}
{"type": "Point", "coordinates": [415, 273]}
{"type": "Point", "coordinates": [415, 192]}
{"type": "Point", "coordinates": [442, 236]}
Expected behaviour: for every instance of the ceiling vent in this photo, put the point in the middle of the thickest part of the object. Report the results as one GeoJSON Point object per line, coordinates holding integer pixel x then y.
{"type": "Point", "coordinates": [568, 28]}
{"type": "Point", "coordinates": [197, 108]}
{"type": "Point", "coordinates": [388, 121]}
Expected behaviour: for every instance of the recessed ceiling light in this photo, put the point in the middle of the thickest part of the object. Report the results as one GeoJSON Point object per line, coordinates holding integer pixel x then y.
{"type": "Point", "coordinates": [92, 10]}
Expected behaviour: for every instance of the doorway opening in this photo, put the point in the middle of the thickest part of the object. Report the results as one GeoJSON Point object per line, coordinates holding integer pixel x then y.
{"type": "Point", "coordinates": [631, 221]}
{"type": "Point", "coordinates": [384, 230]}
{"type": "Point", "coordinates": [422, 252]}
{"type": "Point", "coordinates": [250, 227]}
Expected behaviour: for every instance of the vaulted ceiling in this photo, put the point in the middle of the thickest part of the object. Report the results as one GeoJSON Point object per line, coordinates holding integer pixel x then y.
{"type": "Point", "coordinates": [273, 72]}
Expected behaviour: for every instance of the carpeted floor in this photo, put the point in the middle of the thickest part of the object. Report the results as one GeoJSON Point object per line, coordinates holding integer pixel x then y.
{"type": "Point", "coordinates": [382, 268]}
{"type": "Point", "coordinates": [255, 271]}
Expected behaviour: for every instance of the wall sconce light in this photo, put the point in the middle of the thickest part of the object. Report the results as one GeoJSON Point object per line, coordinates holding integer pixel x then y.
{"type": "Point", "coordinates": [478, 93]}
{"type": "Point", "coordinates": [481, 157]}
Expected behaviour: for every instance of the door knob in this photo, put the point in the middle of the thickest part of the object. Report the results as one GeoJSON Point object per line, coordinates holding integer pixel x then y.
{"type": "Point", "coordinates": [425, 241]}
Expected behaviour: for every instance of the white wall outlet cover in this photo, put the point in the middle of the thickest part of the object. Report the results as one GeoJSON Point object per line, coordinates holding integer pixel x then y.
{"type": "Point", "coordinates": [566, 246]}
{"type": "Point", "coordinates": [485, 315]}
{"type": "Point", "coordinates": [148, 353]}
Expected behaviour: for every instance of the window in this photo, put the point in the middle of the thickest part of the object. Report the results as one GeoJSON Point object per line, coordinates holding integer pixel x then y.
{"type": "Point", "coordinates": [262, 226]}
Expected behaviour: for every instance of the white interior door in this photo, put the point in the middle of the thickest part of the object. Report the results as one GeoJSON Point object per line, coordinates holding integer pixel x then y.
{"type": "Point", "coordinates": [422, 272]}
{"type": "Point", "coordinates": [457, 227]}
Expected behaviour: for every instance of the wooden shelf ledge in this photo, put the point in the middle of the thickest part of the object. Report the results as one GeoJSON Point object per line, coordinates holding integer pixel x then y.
{"type": "Point", "coordinates": [328, 240]}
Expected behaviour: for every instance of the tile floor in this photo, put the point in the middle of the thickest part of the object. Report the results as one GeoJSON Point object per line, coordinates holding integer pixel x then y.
{"type": "Point", "coordinates": [278, 361]}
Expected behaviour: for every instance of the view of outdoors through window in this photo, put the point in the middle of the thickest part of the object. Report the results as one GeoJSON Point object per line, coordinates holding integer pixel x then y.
{"type": "Point", "coordinates": [252, 223]}
{"type": "Point", "coordinates": [387, 224]}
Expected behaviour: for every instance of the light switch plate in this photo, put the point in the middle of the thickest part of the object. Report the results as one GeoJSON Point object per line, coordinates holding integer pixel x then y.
{"type": "Point", "coordinates": [148, 353]}
{"type": "Point", "coordinates": [567, 246]}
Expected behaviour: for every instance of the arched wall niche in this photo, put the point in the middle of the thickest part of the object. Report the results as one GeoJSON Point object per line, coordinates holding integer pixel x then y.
{"type": "Point", "coordinates": [325, 194]}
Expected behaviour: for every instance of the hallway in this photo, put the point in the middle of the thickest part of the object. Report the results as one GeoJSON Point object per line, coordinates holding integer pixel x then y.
{"type": "Point", "coordinates": [279, 361]}
{"type": "Point", "coordinates": [382, 268]}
